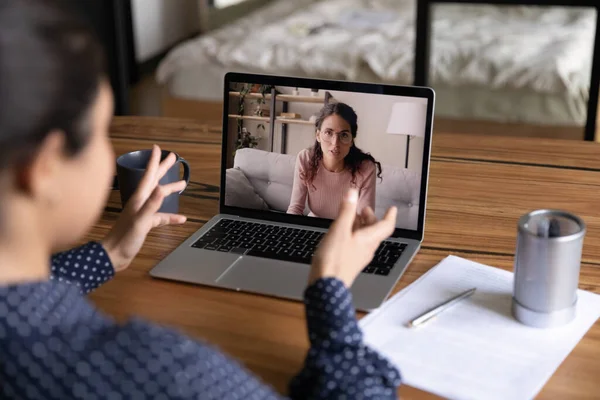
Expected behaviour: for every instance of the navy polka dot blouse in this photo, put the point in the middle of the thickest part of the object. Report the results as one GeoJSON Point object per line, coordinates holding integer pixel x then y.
{"type": "Point", "coordinates": [55, 345]}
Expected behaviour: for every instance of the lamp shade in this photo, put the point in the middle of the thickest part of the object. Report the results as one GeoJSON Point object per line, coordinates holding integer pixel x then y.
{"type": "Point", "coordinates": [408, 118]}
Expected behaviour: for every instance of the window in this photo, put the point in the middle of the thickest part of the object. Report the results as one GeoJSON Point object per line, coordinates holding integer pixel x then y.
{"type": "Point", "coordinates": [224, 3]}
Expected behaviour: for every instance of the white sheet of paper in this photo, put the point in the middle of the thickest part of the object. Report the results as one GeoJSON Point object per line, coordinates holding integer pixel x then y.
{"type": "Point", "coordinates": [476, 349]}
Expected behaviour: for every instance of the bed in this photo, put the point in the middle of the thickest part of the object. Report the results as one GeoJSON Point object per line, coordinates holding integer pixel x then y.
{"type": "Point", "coordinates": [516, 65]}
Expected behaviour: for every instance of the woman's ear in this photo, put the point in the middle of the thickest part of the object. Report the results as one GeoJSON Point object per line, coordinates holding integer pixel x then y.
{"type": "Point", "coordinates": [41, 175]}
{"type": "Point", "coordinates": [317, 136]}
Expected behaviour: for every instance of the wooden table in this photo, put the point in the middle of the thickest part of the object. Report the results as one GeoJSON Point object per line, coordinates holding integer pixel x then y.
{"type": "Point", "coordinates": [479, 186]}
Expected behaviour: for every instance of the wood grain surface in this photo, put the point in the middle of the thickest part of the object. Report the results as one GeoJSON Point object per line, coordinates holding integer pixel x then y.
{"type": "Point", "coordinates": [477, 191]}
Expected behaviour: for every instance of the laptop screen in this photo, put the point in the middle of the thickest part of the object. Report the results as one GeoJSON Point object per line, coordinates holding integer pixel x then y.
{"type": "Point", "coordinates": [295, 150]}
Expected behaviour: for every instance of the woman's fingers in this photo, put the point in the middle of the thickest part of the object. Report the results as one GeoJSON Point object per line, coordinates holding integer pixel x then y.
{"type": "Point", "coordinates": [174, 187]}
{"type": "Point", "coordinates": [347, 215]}
{"type": "Point", "coordinates": [380, 230]}
{"type": "Point", "coordinates": [357, 223]}
{"type": "Point", "coordinates": [164, 166]}
{"type": "Point", "coordinates": [155, 170]}
{"type": "Point", "coordinates": [148, 181]}
{"type": "Point", "coordinates": [162, 219]}
{"type": "Point", "coordinates": [151, 206]}
{"type": "Point", "coordinates": [368, 216]}
{"type": "Point", "coordinates": [365, 218]}
{"type": "Point", "coordinates": [155, 200]}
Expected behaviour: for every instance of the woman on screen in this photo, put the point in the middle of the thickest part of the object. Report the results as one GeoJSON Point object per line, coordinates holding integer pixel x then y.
{"type": "Point", "coordinates": [325, 171]}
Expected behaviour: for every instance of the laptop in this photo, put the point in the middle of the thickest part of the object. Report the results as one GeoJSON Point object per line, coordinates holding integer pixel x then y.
{"type": "Point", "coordinates": [255, 243]}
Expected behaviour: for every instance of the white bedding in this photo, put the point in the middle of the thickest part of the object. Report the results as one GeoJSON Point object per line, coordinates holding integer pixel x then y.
{"type": "Point", "coordinates": [546, 51]}
{"type": "Point", "coordinates": [500, 105]}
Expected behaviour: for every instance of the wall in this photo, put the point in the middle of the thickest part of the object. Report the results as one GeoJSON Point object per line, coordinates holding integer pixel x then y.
{"type": "Point", "coordinates": [158, 24]}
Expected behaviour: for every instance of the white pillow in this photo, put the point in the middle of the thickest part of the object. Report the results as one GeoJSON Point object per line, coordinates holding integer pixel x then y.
{"type": "Point", "coordinates": [239, 192]}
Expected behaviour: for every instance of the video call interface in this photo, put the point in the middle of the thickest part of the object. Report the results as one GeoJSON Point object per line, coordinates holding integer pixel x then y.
{"type": "Point", "coordinates": [298, 150]}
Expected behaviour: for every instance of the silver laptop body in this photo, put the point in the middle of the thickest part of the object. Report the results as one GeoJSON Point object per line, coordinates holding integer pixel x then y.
{"type": "Point", "coordinates": [242, 267]}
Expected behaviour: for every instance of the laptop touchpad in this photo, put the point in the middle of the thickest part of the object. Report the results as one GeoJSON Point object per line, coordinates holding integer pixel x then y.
{"type": "Point", "coordinates": [266, 276]}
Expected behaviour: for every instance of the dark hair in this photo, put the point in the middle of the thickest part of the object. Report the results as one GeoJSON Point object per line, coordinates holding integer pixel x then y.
{"type": "Point", "coordinates": [50, 69]}
{"type": "Point", "coordinates": [355, 156]}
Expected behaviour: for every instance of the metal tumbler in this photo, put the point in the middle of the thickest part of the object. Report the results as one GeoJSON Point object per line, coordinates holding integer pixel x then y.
{"type": "Point", "coordinates": [546, 268]}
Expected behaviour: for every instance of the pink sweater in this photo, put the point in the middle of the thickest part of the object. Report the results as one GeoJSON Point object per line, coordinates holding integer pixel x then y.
{"type": "Point", "coordinates": [325, 197]}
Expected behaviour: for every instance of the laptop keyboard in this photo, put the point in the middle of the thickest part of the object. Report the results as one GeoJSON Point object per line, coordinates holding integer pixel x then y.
{"type": "Point", "coordinates": [284, 243]}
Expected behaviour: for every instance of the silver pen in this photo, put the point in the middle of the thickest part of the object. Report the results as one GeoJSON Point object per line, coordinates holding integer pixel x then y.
{"type": "Point", "coordinates": [438, 309]}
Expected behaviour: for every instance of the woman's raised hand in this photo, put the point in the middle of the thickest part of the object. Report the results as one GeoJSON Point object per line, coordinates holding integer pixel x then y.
{"type": "Point", "coordinates": [140, 214]}
{"type": "Point", "coordinates": [351, 241]}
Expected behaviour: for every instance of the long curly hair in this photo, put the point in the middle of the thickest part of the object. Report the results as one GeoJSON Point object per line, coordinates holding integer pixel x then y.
{"type": "Point", "coordinates": [355, 156]}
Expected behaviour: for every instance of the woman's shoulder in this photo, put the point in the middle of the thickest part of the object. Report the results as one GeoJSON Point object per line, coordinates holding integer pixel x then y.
{"type": "Point", "coordinates": [367, 167]}
{"type": "Point", "coordinates": [305, 155]}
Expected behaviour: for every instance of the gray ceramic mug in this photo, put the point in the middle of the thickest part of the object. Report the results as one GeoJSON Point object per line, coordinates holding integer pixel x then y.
{"type": "Point", "coordinates": [131, 168]}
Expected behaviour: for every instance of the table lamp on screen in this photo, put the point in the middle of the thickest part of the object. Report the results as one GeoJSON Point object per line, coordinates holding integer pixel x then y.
{"type": "Point", "coordinates": [408, 118]}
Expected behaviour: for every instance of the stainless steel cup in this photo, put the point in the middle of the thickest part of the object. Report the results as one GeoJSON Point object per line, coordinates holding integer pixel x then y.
{"type": "Point", "coordinates": [547, 261]}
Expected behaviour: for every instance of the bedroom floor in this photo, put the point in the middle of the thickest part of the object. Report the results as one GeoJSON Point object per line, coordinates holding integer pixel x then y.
{"type": "Point", "coordinates": [147, 98]}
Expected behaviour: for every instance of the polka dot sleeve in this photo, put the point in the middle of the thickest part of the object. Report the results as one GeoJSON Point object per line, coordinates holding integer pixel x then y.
{"type": "Point", "coordinates": [54, 345]}
{"type": "Point", "coordinates": [87, 267]}
{"type": "Point", "coordinates": [338, 363]}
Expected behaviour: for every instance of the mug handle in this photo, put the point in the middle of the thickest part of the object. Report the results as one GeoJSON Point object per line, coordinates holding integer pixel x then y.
{"type": "Point", "coordinates": [186, 172]}
{"type": "Point", "coordinates": [115, 185]}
